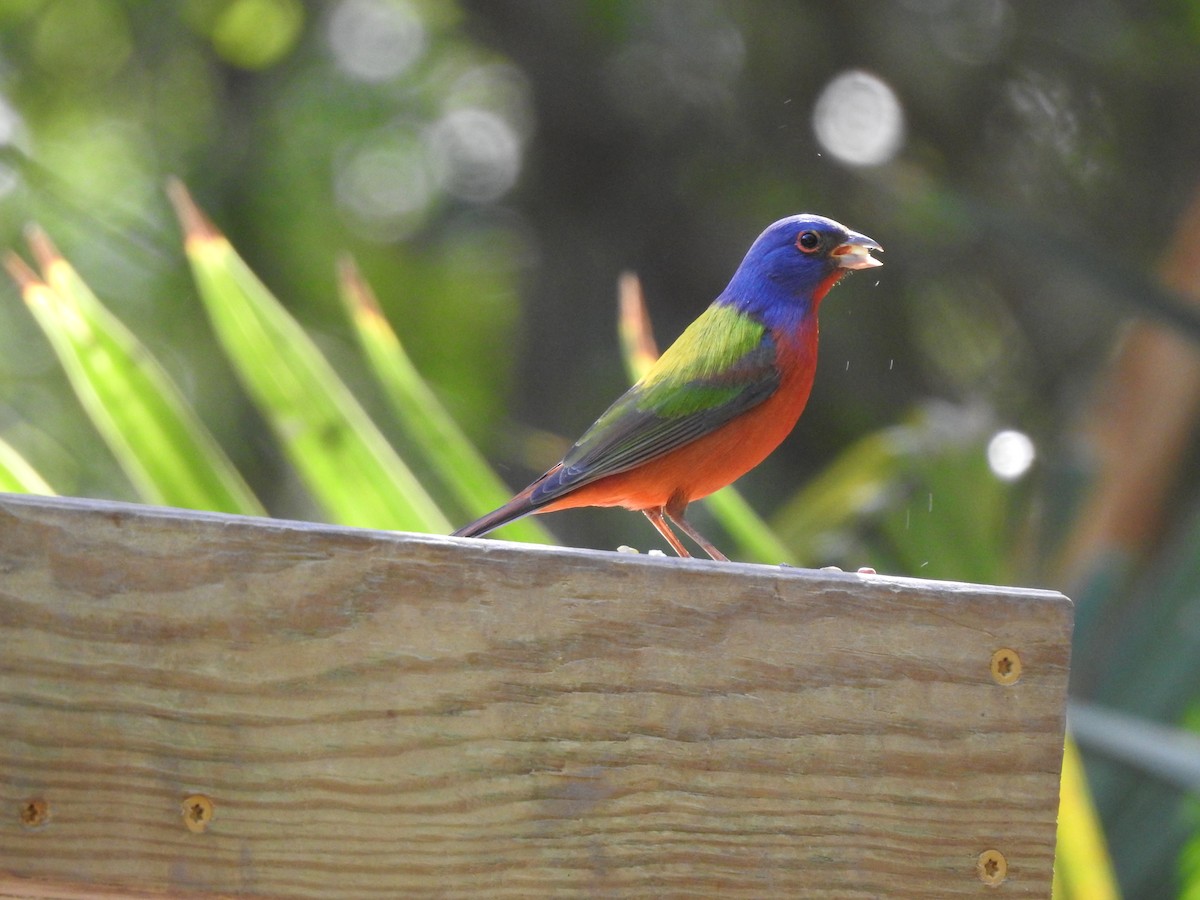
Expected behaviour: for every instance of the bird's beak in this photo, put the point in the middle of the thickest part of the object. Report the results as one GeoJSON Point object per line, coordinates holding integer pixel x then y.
{"type": "Point", "coordinates": [855, 252]}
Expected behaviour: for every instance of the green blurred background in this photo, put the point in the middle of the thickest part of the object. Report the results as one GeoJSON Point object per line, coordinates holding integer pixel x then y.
{"type": "Point", "coordinates": [1012, 398]}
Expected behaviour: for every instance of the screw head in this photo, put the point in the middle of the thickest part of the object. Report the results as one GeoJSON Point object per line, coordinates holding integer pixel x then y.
{"type": "Point", "coordinates": [1006, 666]}
{"type": "Point", "coordinates": [991, 867]}
{"type": "Point", "coordinates": [34, 813]}
{"type": "Point", "coordinates": [197, 813]}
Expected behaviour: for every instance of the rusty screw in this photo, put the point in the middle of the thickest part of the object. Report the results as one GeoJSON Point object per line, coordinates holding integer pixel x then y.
{"type": "Point", "coordinates": [35, 813]}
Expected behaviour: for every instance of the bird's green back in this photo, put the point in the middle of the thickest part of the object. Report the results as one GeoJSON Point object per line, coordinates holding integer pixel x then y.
{"type": "Point", "coordinates": [722, 365]}
{"type": "Point", "coordinates": [701, 369]}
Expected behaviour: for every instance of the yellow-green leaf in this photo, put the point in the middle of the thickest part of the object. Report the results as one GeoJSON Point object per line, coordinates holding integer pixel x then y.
{"type": "Point", "coordinates": [17, 476]}
{"type": "Point", "coordinates": [156, 437]}
{"type": "Point", "coordinates": [339, 452]}
{"type": "Point", "coordinates": [447, 452]}
{"type": "Point", "coordinates": [1082, 867]}
{"type": "Point", "coordinates": [852, 484]}
{"type": "Point", "coordinates": [753, 535]}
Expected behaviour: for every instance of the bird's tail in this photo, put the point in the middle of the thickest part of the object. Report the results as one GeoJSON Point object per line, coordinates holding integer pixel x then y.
{"type": "Point", "coordinates": [514, 509]}
{"type": "Point", "coordinates": [548, 489]}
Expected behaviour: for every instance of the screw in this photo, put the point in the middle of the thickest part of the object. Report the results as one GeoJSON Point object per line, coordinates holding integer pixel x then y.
{"type": "Point", "coordinates": [991, 867]}
{"type": "Point", "coordinates": [197, 813]}
{"type": "Point", "coordinates": [1006, 666]}
{"type": "Point", "coordinates": [35, 813]}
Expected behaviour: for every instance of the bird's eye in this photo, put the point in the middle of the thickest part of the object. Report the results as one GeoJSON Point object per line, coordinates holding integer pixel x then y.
{"type": "Point", "coordinates": [808, 241]}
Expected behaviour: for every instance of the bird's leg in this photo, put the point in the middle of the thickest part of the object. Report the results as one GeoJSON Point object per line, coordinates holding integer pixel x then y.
{"type": "Point", "coordinates": [674, 512]}
{"type": "Point", "coordinates": [656, 519]}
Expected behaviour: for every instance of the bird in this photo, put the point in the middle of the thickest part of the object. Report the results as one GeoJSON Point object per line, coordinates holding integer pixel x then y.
{"type": "Point", "coordinates": [718, 401]}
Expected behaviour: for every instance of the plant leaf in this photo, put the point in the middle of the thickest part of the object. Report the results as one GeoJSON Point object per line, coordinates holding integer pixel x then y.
{"type": "Point", "coordinates": [17, 476]}
{"type": "Point", "coordinates": [1082, 867]}
{"type": "Point", "coordinates": [156, 437]}
{"type": "Point", "coordinates": [1168, 753]}
{"type": "Point", "coordinates": [341, 456]}
{"type": "Point", "coordinates": [855, 483]}
{"type": "Point", "coordinates": [754, 536]}
{"type": "Point", "coordinates": [447, 452]}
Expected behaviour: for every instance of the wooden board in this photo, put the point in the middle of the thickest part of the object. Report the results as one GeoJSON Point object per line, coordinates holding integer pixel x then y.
{"type": "Point", "coordinates": [390, 715]}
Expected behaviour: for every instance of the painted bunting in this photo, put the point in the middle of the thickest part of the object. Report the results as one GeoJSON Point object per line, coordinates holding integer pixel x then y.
{"type": "Point", "coordinates": [718, 401]}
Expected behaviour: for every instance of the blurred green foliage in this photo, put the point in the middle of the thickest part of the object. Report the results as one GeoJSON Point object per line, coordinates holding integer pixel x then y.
{"type": "Point", "coordinates": [493, 165]}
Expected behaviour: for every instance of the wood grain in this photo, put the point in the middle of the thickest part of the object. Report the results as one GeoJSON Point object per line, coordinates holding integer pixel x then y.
{"type": "Point", "coordinates": [390, 715]}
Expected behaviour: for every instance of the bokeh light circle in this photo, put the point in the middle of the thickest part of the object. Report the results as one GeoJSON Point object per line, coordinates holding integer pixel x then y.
{"type": "Point", "coordinates": [859, 120]}
{"type": "Point", "coordinates": [1010, 454]}
{"type": "Point", "coordinates": [375, 41]}
{"type": "Point", "coordinates": [475, 154]}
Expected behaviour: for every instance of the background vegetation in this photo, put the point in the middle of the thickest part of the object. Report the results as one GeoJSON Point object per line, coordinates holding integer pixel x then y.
{"type": "Point", "coordinates": [493, 166]}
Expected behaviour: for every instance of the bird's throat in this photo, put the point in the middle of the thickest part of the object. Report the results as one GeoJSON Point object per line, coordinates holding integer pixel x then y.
{"type": "Point", "coordinates": [828, 282]}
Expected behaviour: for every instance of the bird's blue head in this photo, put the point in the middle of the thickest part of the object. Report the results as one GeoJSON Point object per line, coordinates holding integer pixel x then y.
{"type": "Point", "coordinates": [792, 265]}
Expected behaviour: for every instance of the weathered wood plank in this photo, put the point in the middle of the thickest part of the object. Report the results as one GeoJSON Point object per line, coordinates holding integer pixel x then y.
{"type": "Point", "coordinates": [380, 715]}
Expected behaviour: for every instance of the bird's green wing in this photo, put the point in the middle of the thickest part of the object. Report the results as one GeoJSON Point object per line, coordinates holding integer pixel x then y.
{"type": "Point", "coordinates": [721, 366]}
